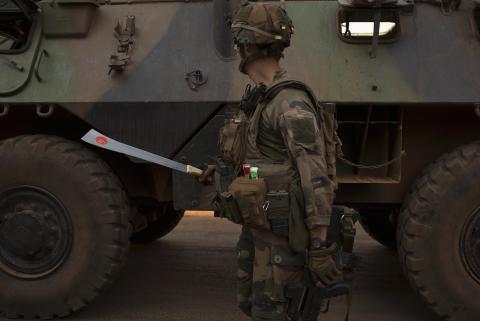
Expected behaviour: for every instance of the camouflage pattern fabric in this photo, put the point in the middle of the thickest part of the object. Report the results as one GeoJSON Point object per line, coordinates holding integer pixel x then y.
{"type": "Point", "coordinates": [284, 131]}
{"type": "Point", "coordinates": [261, 24]}
{"type": "Point", "coordinates": [284, 140]}
{"type": "Point", "coordinates": [288, 129]}
{"type": "Point", "coordinates": [245, 257]}
{"type": "Point", "coordinates": [266, 264]}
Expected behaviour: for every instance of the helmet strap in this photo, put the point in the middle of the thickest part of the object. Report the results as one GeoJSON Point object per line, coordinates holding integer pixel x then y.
{"type": "Point", "coordinates": [254, 56]}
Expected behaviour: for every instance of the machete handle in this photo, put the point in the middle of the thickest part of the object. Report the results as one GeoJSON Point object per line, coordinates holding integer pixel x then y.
{"type": "Point", "coordinates": [192, 170]}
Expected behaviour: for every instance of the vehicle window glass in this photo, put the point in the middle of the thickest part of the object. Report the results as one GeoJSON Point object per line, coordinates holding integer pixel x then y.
{"type": "Point", "coordinates": [365, 29]}
{"type": "Point", "coordinates": [356, 26]}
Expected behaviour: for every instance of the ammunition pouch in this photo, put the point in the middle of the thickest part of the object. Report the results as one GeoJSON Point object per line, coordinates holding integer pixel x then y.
{"type": "Point", "coordinates": [278, 212]}
{"type": "Point", "coordinates": [231, 138]}
{"type": "Point", "coordinates": [246, 201]}
{"type": "Point", "coordinates": [250, 196]}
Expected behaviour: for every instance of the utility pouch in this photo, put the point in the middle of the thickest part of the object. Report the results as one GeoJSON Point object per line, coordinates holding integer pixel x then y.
{"type": "Point", "coordinates": [278, 211]}
{"type": "Point", "coordinates": [299, 236]}
{"type": "Point", "coordinates": [249, 195]}
{"type": "Point", "coordinates": [230, 208]}
{"type": "Point", "coordinates": [231, 138]}
{"type": "Point", "coordinates": [342, 232]}
{"type": "Point", "coordinates": [224, 175]}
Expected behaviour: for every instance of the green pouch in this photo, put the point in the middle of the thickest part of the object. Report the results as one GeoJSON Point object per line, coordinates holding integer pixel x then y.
{"type": "Point", "coordinates": [298, 234]}
{"type": "Point", "coordinates": [249, 195]}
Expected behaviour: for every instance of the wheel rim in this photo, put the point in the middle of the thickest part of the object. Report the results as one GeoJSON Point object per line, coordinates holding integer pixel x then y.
{"type": "Point", "coordinates": [470, 245]}
{"type": "Point", "coordinates": [35, 232]}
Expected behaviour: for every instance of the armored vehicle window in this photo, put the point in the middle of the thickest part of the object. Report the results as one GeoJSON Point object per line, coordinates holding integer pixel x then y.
{"type": "Point", "coordinates": [356, 26]}
{"type": "Point", "coordinates": [365, 29]}
{"type": "Point", "coordinates": [6, 43]}
{"type": "Point", "coordinates": [15, 28]}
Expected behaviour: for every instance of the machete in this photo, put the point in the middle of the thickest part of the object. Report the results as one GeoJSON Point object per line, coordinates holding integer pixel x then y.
{"type": "Point", "coordinates": [97, 139]}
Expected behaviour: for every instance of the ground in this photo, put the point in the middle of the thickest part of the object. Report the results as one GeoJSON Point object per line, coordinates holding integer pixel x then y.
{"type": "Point", "coordinates": [190, 276]}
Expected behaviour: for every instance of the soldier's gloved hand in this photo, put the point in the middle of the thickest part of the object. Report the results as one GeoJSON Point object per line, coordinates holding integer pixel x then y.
{"type": "Point", "coordinates": [322, 266]}
{"type": "Point", "coordinates": [207, 176]}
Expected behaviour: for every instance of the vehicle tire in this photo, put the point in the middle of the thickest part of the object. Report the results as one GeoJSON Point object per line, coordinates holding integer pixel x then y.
{"type": "Point", "coordinates": [381, 225]}
{"type": "Point", "coordinates": [64, 227]}
{"type": "Point", "coordinates": [167, 218]}
{"type": "Point", "coordinates": [439, 235]}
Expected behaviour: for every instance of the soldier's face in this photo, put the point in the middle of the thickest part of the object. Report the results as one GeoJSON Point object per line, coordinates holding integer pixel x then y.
{"type": "Point", "coordinates": [245, 52]}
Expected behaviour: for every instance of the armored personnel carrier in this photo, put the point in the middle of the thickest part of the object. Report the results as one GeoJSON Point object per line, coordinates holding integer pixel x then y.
{"type": "Point", "coordinates": [161, 75]}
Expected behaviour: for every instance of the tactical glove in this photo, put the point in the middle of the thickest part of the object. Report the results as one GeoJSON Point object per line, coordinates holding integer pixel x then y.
{"type": "Point", "coordinates": [322, 266]}
{"type": "Point", "coordinates": [207, 176]}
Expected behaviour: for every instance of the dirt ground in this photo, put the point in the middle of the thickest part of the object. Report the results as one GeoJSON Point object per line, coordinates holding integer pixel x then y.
{"type": "Point", "coordinates": [190, 276]}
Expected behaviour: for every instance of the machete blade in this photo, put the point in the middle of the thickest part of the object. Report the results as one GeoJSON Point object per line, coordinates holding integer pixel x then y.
{"type": "Point", "coordinates": [97, 139]}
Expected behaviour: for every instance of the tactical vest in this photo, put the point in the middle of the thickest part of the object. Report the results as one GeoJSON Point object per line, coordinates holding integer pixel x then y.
{"type": "Point", "coordinates": [266, 202]}
{"type": "Point", "coordinates": [237, 139]}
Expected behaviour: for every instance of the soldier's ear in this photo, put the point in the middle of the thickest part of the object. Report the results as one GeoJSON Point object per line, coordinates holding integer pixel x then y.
{"type": "Point", "coordinates": [245, 50]}
{"type": "Point", "coordinates": [241, 51]}
{"type": "Point", "coordinates": [251, 49]}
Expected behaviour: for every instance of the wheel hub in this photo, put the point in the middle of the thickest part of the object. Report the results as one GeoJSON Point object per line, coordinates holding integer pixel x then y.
{"type": "Point", "coordinates": [470, 245]}
{"type": "Point", "coordinates": [35, 232]}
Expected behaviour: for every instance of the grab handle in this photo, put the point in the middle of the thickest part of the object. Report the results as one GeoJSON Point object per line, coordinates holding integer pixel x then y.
{"type": "Point", "coordinates": [37, 67]}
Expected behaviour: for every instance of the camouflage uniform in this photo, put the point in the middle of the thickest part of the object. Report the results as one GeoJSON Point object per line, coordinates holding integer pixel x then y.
{"type": "Point", "coordinates": [284, 131]}
{"type": "Point", "coordinates": [285, 138]}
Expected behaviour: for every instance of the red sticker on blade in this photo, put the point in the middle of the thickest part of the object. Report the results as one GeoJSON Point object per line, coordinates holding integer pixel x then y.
{"type": "Point", "coordinates": [101, 140]}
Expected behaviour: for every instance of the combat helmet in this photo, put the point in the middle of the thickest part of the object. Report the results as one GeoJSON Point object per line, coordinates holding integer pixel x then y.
{"type": "Point", "coordinates": [263, 24]}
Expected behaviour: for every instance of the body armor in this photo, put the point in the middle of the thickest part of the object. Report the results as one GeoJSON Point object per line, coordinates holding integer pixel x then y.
{"type": "Point", "coordinates": [274, 201]}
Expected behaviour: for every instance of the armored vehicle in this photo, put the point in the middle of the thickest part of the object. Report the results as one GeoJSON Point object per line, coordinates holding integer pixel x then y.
{"type": "Point", "coordinates": [162, 74]}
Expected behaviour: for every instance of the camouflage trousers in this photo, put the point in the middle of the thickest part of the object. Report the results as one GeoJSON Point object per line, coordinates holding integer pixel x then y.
{"type": "Point", "coordinates": [266, 265]}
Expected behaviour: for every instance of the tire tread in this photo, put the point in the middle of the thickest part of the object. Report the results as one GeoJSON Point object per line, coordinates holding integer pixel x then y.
{"type": "Point", "coordinates": [413, 221]}
{"type": "Point", "coordinates": [78, 157]}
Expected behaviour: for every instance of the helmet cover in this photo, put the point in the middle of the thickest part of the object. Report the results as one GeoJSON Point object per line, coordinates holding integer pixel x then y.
{"type": "Point", "coordinates": [261, 24]}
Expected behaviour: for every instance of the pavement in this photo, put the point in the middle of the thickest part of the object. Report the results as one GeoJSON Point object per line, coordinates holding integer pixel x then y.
{"type": "Point", "coordinates": [189, 275]}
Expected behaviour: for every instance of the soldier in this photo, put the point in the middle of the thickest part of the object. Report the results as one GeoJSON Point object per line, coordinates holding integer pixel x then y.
{"type": "Point", "coordinates": [286, 210]}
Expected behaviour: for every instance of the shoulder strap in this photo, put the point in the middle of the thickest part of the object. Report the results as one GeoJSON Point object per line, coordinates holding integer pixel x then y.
{"type": "Point", "coordinates": [275, 89]}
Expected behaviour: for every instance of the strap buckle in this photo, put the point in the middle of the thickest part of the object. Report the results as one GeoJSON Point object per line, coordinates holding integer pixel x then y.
{"type": "Point", "coordinates": [265, 206]}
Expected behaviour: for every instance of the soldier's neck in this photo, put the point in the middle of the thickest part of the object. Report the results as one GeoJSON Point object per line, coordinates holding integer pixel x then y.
{"type": "Point", "coordinates": [263, 70]}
